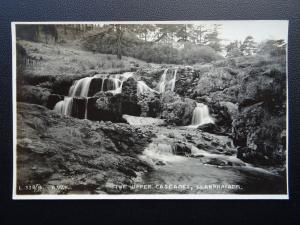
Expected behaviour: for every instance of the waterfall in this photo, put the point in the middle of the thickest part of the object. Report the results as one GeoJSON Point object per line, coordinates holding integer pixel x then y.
{"type": "Point", "coordinates": [65, 106]}
{"type": "Point", "coordinates": [81, 88]}
{"type": "Point", "coordinates": [86, 108]}
{"type": "Point", "coordinates": [201, 115]}
{"type": "Point", "coordinates": [173, 81]}
{"type": "Point", "coordinates": [143, 88]}
{"type": "Point", "coordinates": [163, 82]}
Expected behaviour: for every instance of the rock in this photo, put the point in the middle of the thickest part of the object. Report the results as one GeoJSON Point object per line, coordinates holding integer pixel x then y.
{"type": "Point", "coordinates": [263, 85]}
{"type": "Point", "coordinates": [258, 133]}
{"type": "Point", "coordinates": [53, 99]}
{"type": "Point", "coordinates": [33, 94]}
{"type": "Point", "coordinates": [209, 127]}
{"type": "Point", "coordinates": [160, 163]}
{"type": "Point", "coordinates": [177, 110]}
{"type": "Point", "coordinates": [171, 135]}
{"type": "Point", "coordinates": [215, 162]}
{"type": "Point", "coordinates": [181, 149]}
{"type": "Point", "coordinates": [251, 156]}
{"type": "Point", "coordinates": [150, 105]}
{"type": "Point", "coordinates": [75, 151]}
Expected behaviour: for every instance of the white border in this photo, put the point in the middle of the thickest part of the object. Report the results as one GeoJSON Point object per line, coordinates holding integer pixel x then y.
{"type": "Point", "coordinates": [137, 196]}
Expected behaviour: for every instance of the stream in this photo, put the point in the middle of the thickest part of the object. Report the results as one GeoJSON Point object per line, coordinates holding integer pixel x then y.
{"type": "Point", "coordinates": [175, 174]}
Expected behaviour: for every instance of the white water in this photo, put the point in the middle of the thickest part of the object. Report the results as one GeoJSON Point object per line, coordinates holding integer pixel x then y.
{"type": "Point", "coordinates": [81, 88]}
{"type": "Point", "coordinates": [143, 88]}
{"type": "Point", "coordinates": [64, 107]}
{"type": "Point", "coordinates": [143, 121]}
{"type": "Point", "coordinates": [173, 81]}
{"type": "Point", "coordinates": [201, 115]}
{"type": "Point", "coordinates": [163, 81]}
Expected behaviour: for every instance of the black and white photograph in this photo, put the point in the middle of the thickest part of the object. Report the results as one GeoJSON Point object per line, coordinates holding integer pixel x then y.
{"type": "Point", "coordinates": [150, 110]}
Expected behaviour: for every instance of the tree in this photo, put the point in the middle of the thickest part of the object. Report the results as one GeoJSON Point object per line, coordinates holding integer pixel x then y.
{"type": "Point", "coordinates": [248, 47]}
{"type": "Point", "coordinates": [212, 38]}
{"type": "Point", "coordinates": [50, 30]}
{"type": "Point", "coordinates": [119, 33]}
{"type": "Point", "coordinates": [272, 48]}
{"type": "Point", "coordinates": [183, 32]}
{"type": "Point", "coordinates": [144, 30]}
{"type": "Point", "coordinates": [198, 33]}
{"type": "Point", "coordinates": [233, 49]}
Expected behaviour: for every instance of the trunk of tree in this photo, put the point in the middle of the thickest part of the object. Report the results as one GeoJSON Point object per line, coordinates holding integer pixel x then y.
{"type": "Point", "coordinates": [119, 41]}
{"type": "Point", "coordinates": [65, 29]}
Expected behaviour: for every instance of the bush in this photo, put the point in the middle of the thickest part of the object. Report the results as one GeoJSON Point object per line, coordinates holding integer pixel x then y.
{"type": "Point", "coordinates": [192, 54]}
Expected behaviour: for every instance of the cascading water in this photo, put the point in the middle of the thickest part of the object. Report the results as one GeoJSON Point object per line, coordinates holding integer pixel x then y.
{"type": "Point", "coordinates": [201, 115]}
{"type": "Point", "coordinates": [163, 81]}
{"type": "Point", "coordinates": [81, 89]}
{"type": "Point", "coordinates": [173, 81]}
{"type": "Point", "coordinates": [64, 107]}
{"type": "Point", "coordinates": [143, 88]}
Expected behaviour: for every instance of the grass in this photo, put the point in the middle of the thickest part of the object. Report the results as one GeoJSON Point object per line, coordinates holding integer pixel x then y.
{"type": "Point", "coordinates": [56, 59]}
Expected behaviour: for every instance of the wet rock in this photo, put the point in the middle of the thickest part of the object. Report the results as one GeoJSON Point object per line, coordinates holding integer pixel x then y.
{"type": "Point", "coordinates": [215, 162]}
{"type": "Point", "coordinates": [53, 99]}
{"type": "Point", "coordinates": [177, 110]}
{"type": "Point", "coordinates": [160, 163]}
{"type": "Point", "coordinates": [181, 149]}
{"type": "Point", "coordinates": [150, 105]}
{"type": "Point", "coordinates": [171, 135]}
{"type": "Point", "coordinates": [209, 127]}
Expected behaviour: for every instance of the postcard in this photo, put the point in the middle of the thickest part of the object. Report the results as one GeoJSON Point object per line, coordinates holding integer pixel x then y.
{"type": "Point", "coordinates": [150, 110]}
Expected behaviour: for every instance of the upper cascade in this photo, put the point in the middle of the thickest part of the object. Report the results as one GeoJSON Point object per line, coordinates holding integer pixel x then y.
{"type": "Point", "coordinates": [164, 83]}
{"type": "Point", "coordinates": [143, 88]}
{"type": "Point", "coordinates": [87, 87]}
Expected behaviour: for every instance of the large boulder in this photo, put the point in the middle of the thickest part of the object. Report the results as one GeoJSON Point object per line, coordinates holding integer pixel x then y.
{"type": "Point", "coordinates": [129, 98]}
{"type": "Point", "coordinates": [108, 106]}
{"type": "Point", "coordinates": [259, 130]}
{"type": "Point", "coordinates": [105, 106]}
{"type": "Point", "coordinates": [263, 85]}
{"type": "Point", "coordinates": [177, 110]}
{"type": "Point", "coordinates": [150, 104]}
{"type": "Point", "coordinates": [33, 94]}
{"type": "Point", "coordinates": [180, 148]}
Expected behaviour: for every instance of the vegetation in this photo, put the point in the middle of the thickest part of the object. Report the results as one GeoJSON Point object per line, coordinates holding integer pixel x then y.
{"type": "Point", "coordinates": [50, 59]}
{"type": "Point", "coordinates": [153, 43]}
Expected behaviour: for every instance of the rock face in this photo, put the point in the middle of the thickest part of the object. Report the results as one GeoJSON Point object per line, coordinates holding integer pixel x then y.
{"type": "Point", "coordinates": [150, 104]}
{"type": "Point", "coordinates": [261, 118]}
{"type": "Point", "coordinates": [129, 98]}
{"type": "Point", "coordinates": [78, 154]}
{"type": "Point", "coordinates": [33, 94]}
{"type": "Point", "coordinates": [259, 130]}
{"type": "Point", "coordinates": [107, 106]}
{"type": "Point", "coordinates": [177, 110]}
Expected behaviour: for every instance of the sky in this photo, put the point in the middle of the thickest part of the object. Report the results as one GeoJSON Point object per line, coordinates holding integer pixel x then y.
{"type": "Point", "coordinates": [260, 29]}
{"type": "Point", "coordinates": [232, 30]}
